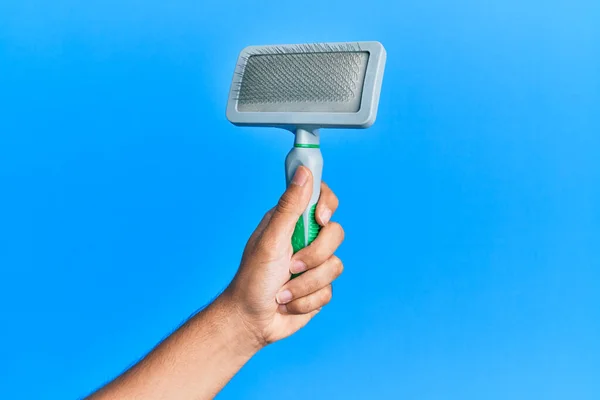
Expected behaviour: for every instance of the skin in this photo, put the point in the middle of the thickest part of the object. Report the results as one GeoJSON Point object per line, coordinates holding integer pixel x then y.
{"type": "Point", "coordinates": [260, 306]}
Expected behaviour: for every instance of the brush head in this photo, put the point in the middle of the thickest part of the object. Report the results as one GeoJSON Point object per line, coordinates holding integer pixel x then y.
{"type": "Point", "coordinates": [317, 85]}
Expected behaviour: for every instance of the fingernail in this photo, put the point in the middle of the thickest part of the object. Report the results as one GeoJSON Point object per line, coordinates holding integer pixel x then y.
{"type": "Point", "coordinates": [297, 267]}
{"type": "Point", "coordinates": [284, 297]}
{"type": "Point", "coordinates": [325, 215]}
{"type": "Point", "coordinates": [283, 308]}
{"type": "Point", "coordinates": [300, 177]}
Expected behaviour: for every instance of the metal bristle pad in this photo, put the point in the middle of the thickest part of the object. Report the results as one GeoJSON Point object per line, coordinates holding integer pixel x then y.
{"type": "Point", "coordinates": [303, 78]}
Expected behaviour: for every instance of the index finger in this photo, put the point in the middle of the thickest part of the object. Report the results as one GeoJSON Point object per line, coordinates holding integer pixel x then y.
{"type": "Point", "coordinates": [328, 203]}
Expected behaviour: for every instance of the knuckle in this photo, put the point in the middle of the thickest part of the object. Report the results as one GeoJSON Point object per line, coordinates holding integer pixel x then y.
{"type": "Point", "coordinates": [269, 214]}
{"type": "Point", "coordinates": [327, 295]}
{"type": "Point", "coordinates": [287, 203]}
{"type": "Point", "coordinates": [338, 265]}
{"type": "Point", "coordinates": [335, 202]}
{"type": "Point", "coordinates": [342, 234]}
{"type": "Point", "coordinates": [266, 246]}
{"type": "Point", "coordinates": [330, 198]}
{"type": "Point", "coordinates": [339, 229]}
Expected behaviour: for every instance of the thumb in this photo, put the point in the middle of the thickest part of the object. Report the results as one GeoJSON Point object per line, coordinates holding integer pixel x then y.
{"type": "Point", "coordinates": [291, 205]}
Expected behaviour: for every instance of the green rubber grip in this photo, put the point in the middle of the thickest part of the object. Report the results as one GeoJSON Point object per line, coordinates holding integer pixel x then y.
{"type": "Point", "coordinates": [299, 239]}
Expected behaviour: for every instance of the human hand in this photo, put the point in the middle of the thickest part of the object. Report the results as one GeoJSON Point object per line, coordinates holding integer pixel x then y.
{"type": "Point", "coordinates": [260, 306]}
{"type": "Point", "coordinates": [271, 305]}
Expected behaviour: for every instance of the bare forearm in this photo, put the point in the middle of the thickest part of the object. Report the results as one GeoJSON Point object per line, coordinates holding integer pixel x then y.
{"type": "Point", "coordinates": [195, 362]}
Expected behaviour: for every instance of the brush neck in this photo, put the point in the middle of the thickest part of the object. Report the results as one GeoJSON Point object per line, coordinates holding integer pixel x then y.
{"type": "Point", "coordinates": [307, 138]}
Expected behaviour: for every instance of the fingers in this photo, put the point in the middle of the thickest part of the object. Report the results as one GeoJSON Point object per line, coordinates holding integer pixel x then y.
{"type": "Point", "coordinates": [311, 303]}
{"type": "Point", "coordinates": [320, 250]}
{"type": "Point", "coordinates": [328, 203]}
{"type": "Point", "coordinates": [292, 204]}
{"type": "Point", "coordinates": [312, 289]}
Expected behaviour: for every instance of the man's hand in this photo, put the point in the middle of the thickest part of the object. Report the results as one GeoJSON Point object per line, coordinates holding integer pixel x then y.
{"type": "Point", "coordinates": [260, 306]}
{"type": "Point", "coordinates": [271, 305]}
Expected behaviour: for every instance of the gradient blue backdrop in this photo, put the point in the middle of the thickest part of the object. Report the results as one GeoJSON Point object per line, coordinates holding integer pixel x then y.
{"type": "Point", "coordinates": [471, 208]}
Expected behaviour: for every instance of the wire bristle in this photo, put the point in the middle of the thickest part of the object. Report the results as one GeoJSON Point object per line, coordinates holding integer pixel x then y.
{"type": "Point", "coordinates": [311, 72]}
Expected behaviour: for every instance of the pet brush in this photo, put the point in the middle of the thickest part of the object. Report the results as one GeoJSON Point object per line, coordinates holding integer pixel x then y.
{"type": "Point", "coordinates": [302, 88]}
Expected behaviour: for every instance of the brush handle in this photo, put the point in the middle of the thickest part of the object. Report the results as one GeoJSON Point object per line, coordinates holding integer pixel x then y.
{"type": "Point", "coordinates": [308, 155]}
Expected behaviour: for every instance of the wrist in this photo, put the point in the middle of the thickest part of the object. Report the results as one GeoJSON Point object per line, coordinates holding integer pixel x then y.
{"type": "Point", "coordinates": [246, 338]}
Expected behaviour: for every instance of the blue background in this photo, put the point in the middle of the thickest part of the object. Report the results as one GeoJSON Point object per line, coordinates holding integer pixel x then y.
{"type": "Point", "coordinates": [471, 207]}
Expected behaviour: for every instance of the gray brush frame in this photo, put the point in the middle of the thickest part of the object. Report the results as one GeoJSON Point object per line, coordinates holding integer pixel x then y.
{"type": "Point", "coordinates": [363, 118]}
